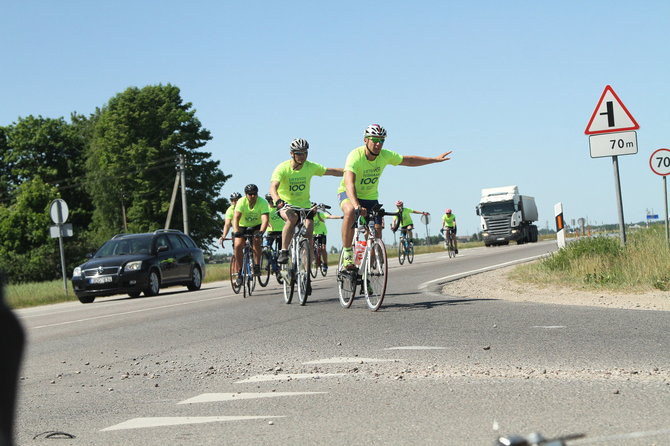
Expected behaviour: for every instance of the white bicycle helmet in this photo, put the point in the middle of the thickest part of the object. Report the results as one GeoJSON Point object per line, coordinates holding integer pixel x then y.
{"type": "Point", "coordinates": [375, 130]}
{"type": "Point", "coordinates": [399, 203]}
{"type": "Point", "coordinates": [299, 145]}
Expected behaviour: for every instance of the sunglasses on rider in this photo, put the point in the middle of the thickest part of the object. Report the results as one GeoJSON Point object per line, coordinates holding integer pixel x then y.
{"type": "Point", "coordinates": [376, 140]}
{"type": "Point", "coordinates": [300, 153]}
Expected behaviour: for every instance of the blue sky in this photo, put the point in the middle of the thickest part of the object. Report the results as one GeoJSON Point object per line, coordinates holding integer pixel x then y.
{"type": "Point", "coordinates": [508, 86]}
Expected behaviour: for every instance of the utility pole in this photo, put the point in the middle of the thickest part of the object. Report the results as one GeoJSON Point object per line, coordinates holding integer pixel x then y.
{"type": "Point", "coordinates": [184, 207]}
{"type": "Point", "coordinates": [168, 220]}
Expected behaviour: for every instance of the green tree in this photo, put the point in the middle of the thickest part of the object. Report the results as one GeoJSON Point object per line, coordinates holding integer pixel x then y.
{"type": "Point", "coordinates": [27, 252]}
{"type": "Point", "coordinates": [136, 140]}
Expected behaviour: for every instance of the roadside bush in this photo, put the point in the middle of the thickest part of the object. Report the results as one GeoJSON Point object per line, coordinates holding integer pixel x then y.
{"type": "Point", "coordinates": [602, 247]}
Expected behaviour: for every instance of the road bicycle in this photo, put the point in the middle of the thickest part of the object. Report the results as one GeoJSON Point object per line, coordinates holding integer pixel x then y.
{"type": "Point", "coordinates": [405, 248]}
{"type": "Point", "coordinates": [296, 272]}
{"type": "Point", "coordinates": [536, 439]}
{"type": "Point", "coordinates": [248, 284]}
{"type": "Point", "coordinates": [269, 263]}
{"type": "Point", "coordinates": [371, 272]}
{"type": "Point", "coordinates": [449, 242]}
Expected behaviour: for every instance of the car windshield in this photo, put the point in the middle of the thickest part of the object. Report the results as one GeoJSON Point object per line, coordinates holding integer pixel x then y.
{"type": "Point", "coordinates": [126, 246]}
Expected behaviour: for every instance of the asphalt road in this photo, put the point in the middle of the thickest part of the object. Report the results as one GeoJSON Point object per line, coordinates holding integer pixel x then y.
{"type": "Point", "coordinates": [210, 367]}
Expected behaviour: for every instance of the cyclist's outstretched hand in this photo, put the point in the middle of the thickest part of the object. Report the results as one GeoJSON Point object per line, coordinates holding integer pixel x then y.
{"type": "Point", "coordinates": [443, 157]}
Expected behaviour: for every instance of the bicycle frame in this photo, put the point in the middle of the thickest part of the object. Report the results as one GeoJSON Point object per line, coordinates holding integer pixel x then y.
{"type": "Point", "coordinates": [297, 269]}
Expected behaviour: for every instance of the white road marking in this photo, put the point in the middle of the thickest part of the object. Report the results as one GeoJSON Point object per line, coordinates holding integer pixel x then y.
{"type": "Point", "coordinates": [138, 423]}
{"type": "Point", "coordinates": [416, 347]}
{"type": "Point", "coordinates": [348, 360]}
{"type": "Point", "coordinates": [288, 376]}
{"type": "Point", "coordinates": [424, 285]}
{"type": "Point", "coordinates": [549, 326]}
{"type": "Point", "coordinates": [215, 397]}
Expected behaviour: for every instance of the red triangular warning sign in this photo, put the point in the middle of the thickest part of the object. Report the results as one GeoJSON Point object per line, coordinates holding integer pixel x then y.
{"type": "Point", "coordinates": [610, 115]}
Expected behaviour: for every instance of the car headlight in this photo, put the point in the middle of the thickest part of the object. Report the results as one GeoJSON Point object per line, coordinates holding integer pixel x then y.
{"type": "Point", "coordinates": [76, 272]}
{"type": "Point", "coordinates": [133, 266]}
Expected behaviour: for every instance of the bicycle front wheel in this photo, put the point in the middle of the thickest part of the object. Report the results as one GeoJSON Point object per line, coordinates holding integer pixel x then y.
{"type": "Point", "coordinates": [452, 250]}
{"type": "Point", "coordinates": [410, 252]}
{"type": "Point", "coordinates": [304, 271]}
{"type": "Point", "coordinates": [346, 284]}
{"type": "Point", "coordinates": [264, 278]}
{"type": "Point", "coordinates": [401, 251]}
{"type": "Point", "coordinates": [233, 276]}
{"type": "Point", "coordinates": [288, 271]}
{"type": "Point", "coordinates": [375, 275]}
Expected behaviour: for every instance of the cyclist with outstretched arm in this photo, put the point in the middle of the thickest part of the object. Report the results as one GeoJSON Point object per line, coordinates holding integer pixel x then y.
{"type": "Point", "coordinates": [289, 184]}
{"type": "Point", "coordinates": [403, 220]}
{"type": "Point", "coordinates": [359, 189]}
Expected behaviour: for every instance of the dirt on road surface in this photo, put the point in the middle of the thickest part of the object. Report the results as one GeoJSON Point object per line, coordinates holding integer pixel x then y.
{"type": "Point", "coordinates": [496, 285]}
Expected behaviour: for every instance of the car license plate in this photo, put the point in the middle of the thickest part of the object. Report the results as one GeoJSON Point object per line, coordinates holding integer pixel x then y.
{"type": "Point", "coordinates": [103, 279]}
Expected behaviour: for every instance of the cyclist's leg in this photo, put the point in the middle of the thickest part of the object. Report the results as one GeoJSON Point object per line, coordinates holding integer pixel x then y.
{"type": "Point", "coordinates": [324, 251]}
{"type": "Point", "coordinates": [409, 232]}
{"type": "Point", "coordinates": [347, 230]}
{"type": "Point", "coordinates": [256, 246]}
{"type": "Point", "coordinates": [287, 233]}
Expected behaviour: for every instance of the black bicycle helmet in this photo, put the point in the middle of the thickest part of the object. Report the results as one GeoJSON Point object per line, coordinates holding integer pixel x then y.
{"type": "Point", "coordinates": [251, 189]}
{"type": "Point", "coordinates": [235, 196]}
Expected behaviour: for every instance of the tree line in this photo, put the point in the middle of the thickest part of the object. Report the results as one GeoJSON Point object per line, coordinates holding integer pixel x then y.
{"type": "Point", "coordinates": [118, 161]}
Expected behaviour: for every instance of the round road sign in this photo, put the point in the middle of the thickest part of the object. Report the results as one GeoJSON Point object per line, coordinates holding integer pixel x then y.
{"type": "Point", "coordinates": [59, 211]}
{"type": "Point", "coordinates": [660, 162]}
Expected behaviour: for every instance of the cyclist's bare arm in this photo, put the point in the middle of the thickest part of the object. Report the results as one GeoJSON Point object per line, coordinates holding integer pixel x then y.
{"type": "Point", "coordinates": [236, 221]}
{"type": "Point", "coordinates": [334, 171]}
{"type": "Point", "coordinates": [414, 161]}
{"type": "Point", "coordinates": [274, 185]}
{"type": "Point", "coordinates": [265, 220]}
{"type": "Point", "coordinates": [350, 186]}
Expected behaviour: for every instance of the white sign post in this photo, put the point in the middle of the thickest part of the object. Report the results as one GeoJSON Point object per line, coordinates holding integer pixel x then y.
{"type": "Point", "coordinates": [59, 213]}
{"type": "Point", "coordinates": [610, 135]}
{"type": "Point", "coordinates": [659, 161]}
{"type": "Point", "coordinates": [560, 225]}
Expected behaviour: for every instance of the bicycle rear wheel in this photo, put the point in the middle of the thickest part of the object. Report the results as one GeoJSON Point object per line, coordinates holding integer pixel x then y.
{"type": "Point", "coordinates": [410, 252]}
{"type": "Point", "coordinates": [375, 276]}
{"type": "Point", "coordinates": [401, 251]}
{"type": "Point", "coordinates": [452, 250]}
{"type": "Point", "coordinates": [264, 278]}
{"type": "Point", "coordinates": [314, 265]}
{"type": "Point", "coordinates": [303, 271]}
{"type": "Point", "coordinates": [233, 275]}
{"type": "Point", "coordinates": [346, 284]}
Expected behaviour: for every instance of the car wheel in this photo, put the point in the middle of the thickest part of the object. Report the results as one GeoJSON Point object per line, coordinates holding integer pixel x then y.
{"type": "Point", "coordinates": [86, 299]}
{"type": "Point", "coordinates": [154, 284]}
{"type": "Point", "coordinates": [196, 279]}
{"type": "Point", "coordinates": [135, 294]}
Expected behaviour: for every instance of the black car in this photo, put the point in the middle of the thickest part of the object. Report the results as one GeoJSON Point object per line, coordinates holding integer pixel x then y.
{"type": "Point", "coordinates": [136, 263]}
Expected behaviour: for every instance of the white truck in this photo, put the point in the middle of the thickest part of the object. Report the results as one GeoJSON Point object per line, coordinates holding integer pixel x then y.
{"type": "Point", "coordinates": [505, 215]}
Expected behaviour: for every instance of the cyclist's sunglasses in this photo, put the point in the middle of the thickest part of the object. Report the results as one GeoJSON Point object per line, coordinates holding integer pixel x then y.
{"type": "Point", "coordinates": [376, 140]}
{"type": "Point", "coordinates": [252, 194]}
{"type": "Point", "coordinates": [300, 152]}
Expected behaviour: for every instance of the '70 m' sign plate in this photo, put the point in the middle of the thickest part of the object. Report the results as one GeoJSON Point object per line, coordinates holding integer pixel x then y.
{"type": "Point", "coordinates": [613, 144]}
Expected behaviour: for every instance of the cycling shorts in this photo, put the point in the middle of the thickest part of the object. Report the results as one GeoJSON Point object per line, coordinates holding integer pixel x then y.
{"type": "Point", "coordinates": [367, 204]}
{"type": "Point", "coordinates": [246, 230]}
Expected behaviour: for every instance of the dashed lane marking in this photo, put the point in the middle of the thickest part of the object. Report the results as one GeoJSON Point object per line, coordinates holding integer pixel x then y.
{"type": "Point", "coordinates": [348, 360]}
{"type": "Point", "coordinates": [215, 397]}
{"type": "Point", "coordinates": [288, 376]}
{"type": "Point", "coordinates": [139, 423]}
{"type": "Point", "coordinates": [549, 327]}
